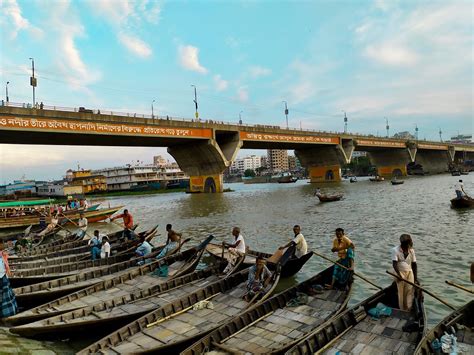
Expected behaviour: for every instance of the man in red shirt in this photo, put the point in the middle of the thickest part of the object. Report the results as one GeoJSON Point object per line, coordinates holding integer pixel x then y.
{"type": "Point", "coordinates": [127, 224]}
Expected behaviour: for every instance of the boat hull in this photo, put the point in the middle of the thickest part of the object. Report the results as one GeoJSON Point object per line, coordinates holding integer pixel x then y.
{"type": "Point", "coordinates": [464, 202]}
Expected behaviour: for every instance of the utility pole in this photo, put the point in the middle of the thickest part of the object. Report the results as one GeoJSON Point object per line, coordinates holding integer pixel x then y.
{"type": "Point", "coordinates": [345, 121]}
{"type": "Point", "coordinates": [152, 110]}
{"type": "Point", "coordinates": [416, 132]}
{"type": "Point", "coordinates": [440, 135]}
{"type": "Point", "coordinates": [387, 127]}
{"type": "Point", "coordinates": [195, 101]}
{"type": "Point", "coordinates": [6, 90]}
{"type": "Point", "coordinates": [240, 117]}
{"type": "Point", "coordinates": [33, 81]}
{"type": "Point", "coordinates": [286, 113]}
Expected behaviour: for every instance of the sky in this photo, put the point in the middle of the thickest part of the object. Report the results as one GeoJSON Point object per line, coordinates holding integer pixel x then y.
{"type": "Point", "coordinates": [408, 61]}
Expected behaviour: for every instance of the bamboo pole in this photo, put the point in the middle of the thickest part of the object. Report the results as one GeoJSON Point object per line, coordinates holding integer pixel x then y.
{"type": "Point", "coordinates": [421, 288]}
{"type": "Point", "coordinates": [355, 273]}
{"type": "Point", "coordinates": [184, 310]}
{"type": "Point", "coordinates": [459, 286]}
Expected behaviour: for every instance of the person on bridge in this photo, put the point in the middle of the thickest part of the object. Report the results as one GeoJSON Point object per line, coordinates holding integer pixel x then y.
{"type": "Point", "coordinates": [404, 264]}
{"type": "Point", "coordinates": [301, 247]}
{"type": "Point", "coordinates": [235, 250]}
{"type": "Point", "coordinates": [127, 224]}
{"type": "Point", "coordinates": [459, 188]}
{"type": "Point", "coordinates": [345, 251]}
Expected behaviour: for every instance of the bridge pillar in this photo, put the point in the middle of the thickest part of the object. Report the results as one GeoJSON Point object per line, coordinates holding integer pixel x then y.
{"type": "Point", "coordinates": [324, 162]}
{"type": "Point", "coordinates": [390, 162]}
{"type": "Point", "coordinates": [205, 161]}
{"type": "Point", "coordinates": [433, 161]}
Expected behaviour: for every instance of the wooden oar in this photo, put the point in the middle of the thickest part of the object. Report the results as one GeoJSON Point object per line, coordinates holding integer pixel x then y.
{"type": "Point", "coordinates": [355, 273]}
{"type": "Point", "coordinates": [184, 310]}
{"type": "Point", "coordinates": [459, 286]}
{"type": "Point", "coordinates": [75, 225]}
{"type": "Point", "coordinates": [421, 288]}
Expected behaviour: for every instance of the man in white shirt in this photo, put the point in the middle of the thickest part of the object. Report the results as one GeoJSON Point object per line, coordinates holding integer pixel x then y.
{"type": "Point", "coordinates": [81, 226]}
{"type": "Point", "coordinates": [404, 264]}
{"type": "Point", "coordinates": [459, 188]}
{"type": "Point", "coordinates": [234, 250]}
{"type": "Point", "coordinates": [298, 241]}
{"type": "Point", "coordinates": [105, 249]}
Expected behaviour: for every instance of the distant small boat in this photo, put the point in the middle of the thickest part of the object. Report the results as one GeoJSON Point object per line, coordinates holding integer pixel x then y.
{"type": "Point", "coordinates": [329, 198]}
{"type": "Point", "coordinates": [377, 178]}
{"type": "Point", "coordinates": [464, 172]}
{"type": "Point", "coordinates": [464, 202]}
{"type": "Point", "coordinates": [397, 182]}
{"type": "Point", "coordinates": [286, 178]}
{"type": "Point", "coordinates": [456, 173]}
{"type": "Point", "coordinates": [353, 179]}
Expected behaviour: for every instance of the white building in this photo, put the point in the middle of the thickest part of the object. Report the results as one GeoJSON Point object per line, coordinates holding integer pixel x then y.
{"type": "Point", "coordinates": [249, 162]}
{"type": "Point", "coordinates": [53, 188]}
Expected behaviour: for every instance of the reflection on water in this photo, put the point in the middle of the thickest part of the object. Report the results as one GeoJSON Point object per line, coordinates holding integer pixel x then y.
{"type": "Point", "coordinates": [373, 215]}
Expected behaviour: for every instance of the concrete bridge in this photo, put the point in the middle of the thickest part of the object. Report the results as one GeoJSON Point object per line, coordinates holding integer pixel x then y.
{"type": "Point", "coordinates": [204, 149]}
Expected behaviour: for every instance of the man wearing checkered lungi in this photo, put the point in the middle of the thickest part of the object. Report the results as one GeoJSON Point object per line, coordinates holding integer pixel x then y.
{"type": "Point", "coordinates": [8, 306]}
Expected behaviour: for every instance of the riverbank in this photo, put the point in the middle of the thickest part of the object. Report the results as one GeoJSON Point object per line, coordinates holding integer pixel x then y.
{"type": "Point", "coordinates": [135, 193]}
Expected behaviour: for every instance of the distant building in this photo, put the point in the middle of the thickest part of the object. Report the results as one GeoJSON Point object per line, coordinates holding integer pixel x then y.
{"type": "Point", "coordinates": [159, 160]}
{"type": "Point", "coordinates": [462, 138]}
{"type": "Point", "coordinates": [404, 135]}
{"type": "Point", "coordinates": [293, 163]}
{"type": "Point", "coordinates": [20, 187]}
{"type": "Point", "coordinates": [239, 165]}
{"type": "Point", "coordinates": [264, 161]}
{"type": "Point", "coordinates": [52, 188]}
{"type": "Point", "coordinates": [89, 182]}
{"type": "Point", "coordinates": [277, 160]}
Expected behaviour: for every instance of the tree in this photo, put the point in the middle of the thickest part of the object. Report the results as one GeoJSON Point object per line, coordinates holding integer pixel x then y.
{"type": "Point", "coordinates": [249, 173]}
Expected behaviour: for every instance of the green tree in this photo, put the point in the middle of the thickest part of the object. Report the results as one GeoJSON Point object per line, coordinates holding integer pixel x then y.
{"type": "Point", "coordinates": [249, 173]}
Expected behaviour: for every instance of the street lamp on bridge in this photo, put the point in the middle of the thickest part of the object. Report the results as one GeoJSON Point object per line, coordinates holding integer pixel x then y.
{"type": "Point", "coordinates": [240, 117]}
{"type": "Point", "coordinates": [195, 101]}
{"type": "Point", "coordinates": [440, 135]}
{"type": "Point", "coordinates": [286, 113]}
{"type": "Point", "coordinates": [33, 79]}
{"type": "Point", "coordinates": [345, 121]}
{"type": "Point", "coordinates": [416, 131]}
{"type": "Point", "coordinates": [152, 111]}
{"type": "Point", "coordinates": [6, 91]}
{"type": "Point", "coordinates": [387, 127]}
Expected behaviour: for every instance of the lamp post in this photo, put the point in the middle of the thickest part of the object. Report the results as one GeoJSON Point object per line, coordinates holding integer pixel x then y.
{"type": "Point", "coordinates": [33, 81]}
{"type": "Point", "coordinates": [345, 121]}
{"type": "Point", "coordinates": [195, 101]}
{"type": "Point", "coordinates": [440, 135]}
{"type": "Point", "coordinates": [240, 117]}
{"type": "Point", "coordinates": [6, 91]}
{"type": "Point", "coordinates": [286, 113]}
{"type": "Point", "coordinates": [416, 131]}
{"type": "Point", "coordinates": [387, 127]}
{"type": "Point", "coordinates": [152, 111]}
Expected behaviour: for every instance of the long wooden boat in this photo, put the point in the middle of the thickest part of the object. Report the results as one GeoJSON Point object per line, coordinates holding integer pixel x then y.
{"type": "Point", "coordinates": [38, 293]}
{"type": "Point", "coordinates": [356, 331]}
{"type": "Point", "coordinates": [276, 324]}
{"type": "Point", "coordinates": [330, 198]}
{"type": "Point", "coordinates": [377, 179]}
{"type": "Point", "coordinates": [92, 216]}
{"type": "Point", "coordinates": [459, 322]}
{"type": "Point", "coordinates": [170, 327]}
{"type": "Point", "coordinates": [113, 312]}
{"type": "Point", "coordinates": [397, 182]}
{"type": "Point", "coordinates": [464, 202]}
{"type": "Point", "coordinates": [117, 290]}
{"type": "Point", "coordinates": [292, 266]}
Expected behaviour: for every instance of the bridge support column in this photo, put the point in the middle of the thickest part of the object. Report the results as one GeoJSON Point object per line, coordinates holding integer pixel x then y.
{"type": "Point", "coordinates": [433, 161]}
{"type": "Point", "coordinates": [205, 161]}
{"type": "Point", "coordinates": [324, 162]}
{"type": "Point", "coordinates": [390, 162]}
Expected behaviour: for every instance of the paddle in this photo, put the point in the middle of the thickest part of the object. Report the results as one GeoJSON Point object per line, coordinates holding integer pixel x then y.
{"type": "Point", "coordinates": [459, 286]}
{"type": "Point", "coordinates": [422, 289]}
{"type": "Point", "coordinates": [74, 224]}
{"type": "Point", "coordinates": [355, 273]}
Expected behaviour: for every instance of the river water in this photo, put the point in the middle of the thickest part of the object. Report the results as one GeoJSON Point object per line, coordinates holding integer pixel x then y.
{"type": "Point", "coordinates": [373, 215]}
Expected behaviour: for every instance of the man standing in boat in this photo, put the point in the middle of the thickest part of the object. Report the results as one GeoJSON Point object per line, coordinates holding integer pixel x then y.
{"type": "Point", "coordinates": [235, 250]}
{"type": "Point", "coordinates": [459, 188]}
{"type": "Point", "coordinates": [127, 223]}
{"type": "Point", "coordinates": [404, 264]}
{"type": "Point", "coordinates": [298, 241]}
{"type": "Point", "coordinates": [8, 306]}
{"type": "Point", "coordinates": [345, 251]}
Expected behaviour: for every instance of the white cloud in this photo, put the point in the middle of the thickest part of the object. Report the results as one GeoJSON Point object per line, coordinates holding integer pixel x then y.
{"type": "Point", "coordinates": [220, 83]}
{"type": "Point", "coordinates": [242, 94]}
{"type": "Point", "coordinates": [135, 45]}
{"type": "Point", "coordinates": [391, 54]}
{"type": "Point", "coordinates": [189, 59]}
{"type": "Point", "coordinates": [258, 71]}
{"type": "Point", "coordinates": [14, 22]}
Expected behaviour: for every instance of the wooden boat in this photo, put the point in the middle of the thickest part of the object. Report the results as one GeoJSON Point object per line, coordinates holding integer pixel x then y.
{"type": "Point", "coordinates": [170, 327]}
{"type": "Point", "coordinates": [105, 312]}
{"type": "Point", "coordinates": [329, 198]}
{"type": "Point", "coordinates": [456, 173]}
{"type": "Point", "coordinates": [275, 325]}
{"type": "Point", "coordinates": [461, 322]}
{"type": "Point", "coordinates": [353, 179]}
{"type": "Point", "coordinates": [354, 330]}
{"type": "Point", "coordinates": [25, 221]}
{"type": "Point", "coordinates": [117, 291]}
{"type": "Point", "coordinates": [464, 172]}
{"type": "Point", "coordinates": [287, 178]}
{"type": "Point", "coordinates": [33, 295]}
{"type": "Point", "coordinates": [292, 265]}
{"type": "Point", "coordinates": [464, 202]}
{"type": "Point", "coordinates": [397, 182]}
